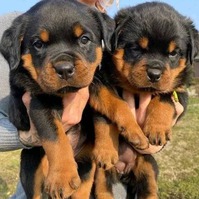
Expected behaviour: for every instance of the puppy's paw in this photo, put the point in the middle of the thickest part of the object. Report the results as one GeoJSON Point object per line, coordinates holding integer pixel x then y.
{"type": "Point", "coordinates": [105, 158]}
{"type": "Point", "coordinates": [158, 134]}
{"type": "Point", "coordinates": [136, 137]}
{"type": "Point", "coordinates": [62, 183]}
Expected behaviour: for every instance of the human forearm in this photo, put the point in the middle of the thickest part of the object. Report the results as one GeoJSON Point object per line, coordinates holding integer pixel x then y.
{"type": "Point", "coordinates": [9, 139]}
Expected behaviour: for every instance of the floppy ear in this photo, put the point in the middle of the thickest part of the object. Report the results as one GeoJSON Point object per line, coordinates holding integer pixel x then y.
{"type": "Point", "coordinates": [107, 28]}
{"type": "Point", "coordinates": [118, 30]}
{"type": "Point", "coordinates": [10, 45]}
{"type": "Point", "coordinates": [193, 45]}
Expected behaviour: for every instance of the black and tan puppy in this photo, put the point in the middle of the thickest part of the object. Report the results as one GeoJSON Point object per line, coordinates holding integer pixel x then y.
{"type": "Point", "coordinates": [154, 47]}
{"type": "Point", "coordinates": [52, 49]}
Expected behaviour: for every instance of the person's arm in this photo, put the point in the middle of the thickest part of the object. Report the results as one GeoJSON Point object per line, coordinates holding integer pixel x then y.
{"type": "Point", "coordinates": [9, 139]}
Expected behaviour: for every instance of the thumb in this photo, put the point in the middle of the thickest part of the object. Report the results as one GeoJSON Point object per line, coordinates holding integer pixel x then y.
{"type": "Point", "coordinates": [144, 100]}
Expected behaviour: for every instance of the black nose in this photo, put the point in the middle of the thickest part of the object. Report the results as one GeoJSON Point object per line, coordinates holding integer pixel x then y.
{"type": "Point", "coordinates": [65, 70]}
{"type": "Point", "coordinates": [154, 74]}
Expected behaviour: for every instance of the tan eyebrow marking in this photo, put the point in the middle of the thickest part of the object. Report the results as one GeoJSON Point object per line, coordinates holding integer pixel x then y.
{"type": "Point", "coordinates": [44, 35]}
{"type": "Point", "coordinates": [172, 46]}
{"type": "Point", "coordinates": [78, 30]}
{"type": "Point", "coordinates": [143, 42]}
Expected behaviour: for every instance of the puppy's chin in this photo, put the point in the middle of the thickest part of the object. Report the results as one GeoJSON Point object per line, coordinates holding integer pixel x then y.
{"type": "Point", "coordinates": [68, 89]}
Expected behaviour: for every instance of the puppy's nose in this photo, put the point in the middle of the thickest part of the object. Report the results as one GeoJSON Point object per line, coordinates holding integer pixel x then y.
{"type": "Point", "coordinates": [154, 74]}
{"type": "Point", "coordinates": [65, 70]}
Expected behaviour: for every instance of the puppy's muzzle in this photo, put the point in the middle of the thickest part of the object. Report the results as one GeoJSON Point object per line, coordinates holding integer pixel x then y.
{"type": "Point", "coordinates": [154, 71]}
{"type": "Point", "coordinates": [64, 66]}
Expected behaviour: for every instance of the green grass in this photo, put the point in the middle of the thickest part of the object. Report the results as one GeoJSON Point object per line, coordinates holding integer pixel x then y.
{"type": "Point", "coordinates": [9, 172]}
{"type": "Point", "coordinates": [178, 162]}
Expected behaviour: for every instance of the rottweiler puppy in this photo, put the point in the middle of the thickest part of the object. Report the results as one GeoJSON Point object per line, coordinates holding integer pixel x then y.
{"type": "Point", "coordinates": [52, 49]}
{"type": "Point", "coordinates": [153, 50]}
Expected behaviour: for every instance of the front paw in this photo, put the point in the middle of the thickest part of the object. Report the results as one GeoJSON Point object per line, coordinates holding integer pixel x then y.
{"type": "Point", "coordinates": [136, 137]}
{"type": "Point", "coordinates": [62, 183]}
{"type": "Point", "coordinates": [105, 158]}
{"type": "Point", "coordinates": [158, 134]}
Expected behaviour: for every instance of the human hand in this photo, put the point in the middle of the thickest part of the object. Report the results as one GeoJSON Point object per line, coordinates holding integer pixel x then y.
{"type": "Point", "coordinates": [127, 154]}
{"type": "Point", "coordinates": [99, 4]}
{"type": "Point", "coordinates": [140, 114]}
{"type": "Point", "coordinates": [29, 138]}
{"type": "Point", "coordinates": [89, 2]}
{"type": "Point", "coordinates": [127, 157]}
{"type": "Point", "coordinates": [74, 104]}
{"type": "Point", "coordinates": [179, 109]}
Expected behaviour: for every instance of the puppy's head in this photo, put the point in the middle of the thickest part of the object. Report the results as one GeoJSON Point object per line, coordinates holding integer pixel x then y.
{"type": "Point", "coordinates": [154, 47]}
{"type": "Point", "coordinates": [59, 43]}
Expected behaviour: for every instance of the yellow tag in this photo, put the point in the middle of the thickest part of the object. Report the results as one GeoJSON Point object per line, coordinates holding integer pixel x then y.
{"type": "Point", "coordinates": [175, 96]}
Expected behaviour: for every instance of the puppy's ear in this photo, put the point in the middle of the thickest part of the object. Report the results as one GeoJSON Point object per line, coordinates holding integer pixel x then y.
{"type": "Point", "coordinates": [107, 28]}
{"type": "Point", "coordinates": [120, 19]}
{"type": "Point", "coordinates": [10, 45]}
{"type": "Point", "coordinates": [118, 32]}
{"type": "Point", "coordinates": [193, 45]}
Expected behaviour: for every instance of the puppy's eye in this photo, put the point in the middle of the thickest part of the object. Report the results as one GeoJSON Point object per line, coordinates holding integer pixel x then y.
{"type": "Point", "coordinates": [173, 54]}
{"type": "Point", "coordinates": [134, 50]}
{"type": "Point", "coordinates": [38, 44]}
{"type": "Point", "coordinates": [84, 40]}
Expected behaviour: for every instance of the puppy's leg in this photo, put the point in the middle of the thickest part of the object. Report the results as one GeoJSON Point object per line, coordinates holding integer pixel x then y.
{"type": "Point", "coordinates": [159, 119]}
{"type": "Point", "coordinates": [85, 188]}
{"type": "Point", "coordinates": [103, 188]}
{"type": "Point", "coordinates": [63, 178]}
{"type": "Point", "coordinates": [146, 171]}
{"type": "Point", "coordinates": [106, 143]}
{"type": "Point", "coordinates": [34, 168]}
{"type": "Point", "coordinates": [106, 102]}
{"type": "Point", "coordinates": [160, 116]}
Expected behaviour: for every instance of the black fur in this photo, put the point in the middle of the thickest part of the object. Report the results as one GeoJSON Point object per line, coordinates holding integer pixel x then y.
{"type": "Point", "coordinates": [159, 24]}
{"type": "Point", "coordinates": [59, 47]}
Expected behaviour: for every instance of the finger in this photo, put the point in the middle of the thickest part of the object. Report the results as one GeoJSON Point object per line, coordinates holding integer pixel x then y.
{"type": "Point", "coordinates": [144, 100]}
{"type": "Point", "coordinates": [26, 99]}
{"type": "Point", "coordinates": [130, 99]}
{"type": "Point", "coordinates": [179, 109]}
{"type": "Point", "coordinates": [88, 2]}
{"type": "Point", "coordinates": [151, 150]}
{"type": "Point", "coordinates": [120, 166]}
{"type": "Point", "coordinates": [74, 104]}
{"type": "Point", "coordinates": [29, 138]}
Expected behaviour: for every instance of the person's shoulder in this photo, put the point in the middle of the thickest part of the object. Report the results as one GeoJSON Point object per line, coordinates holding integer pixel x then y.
{"type": "Point", "coordinates": [6, 20]}
{"type": "Point", "coordinates": [9, 16]}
